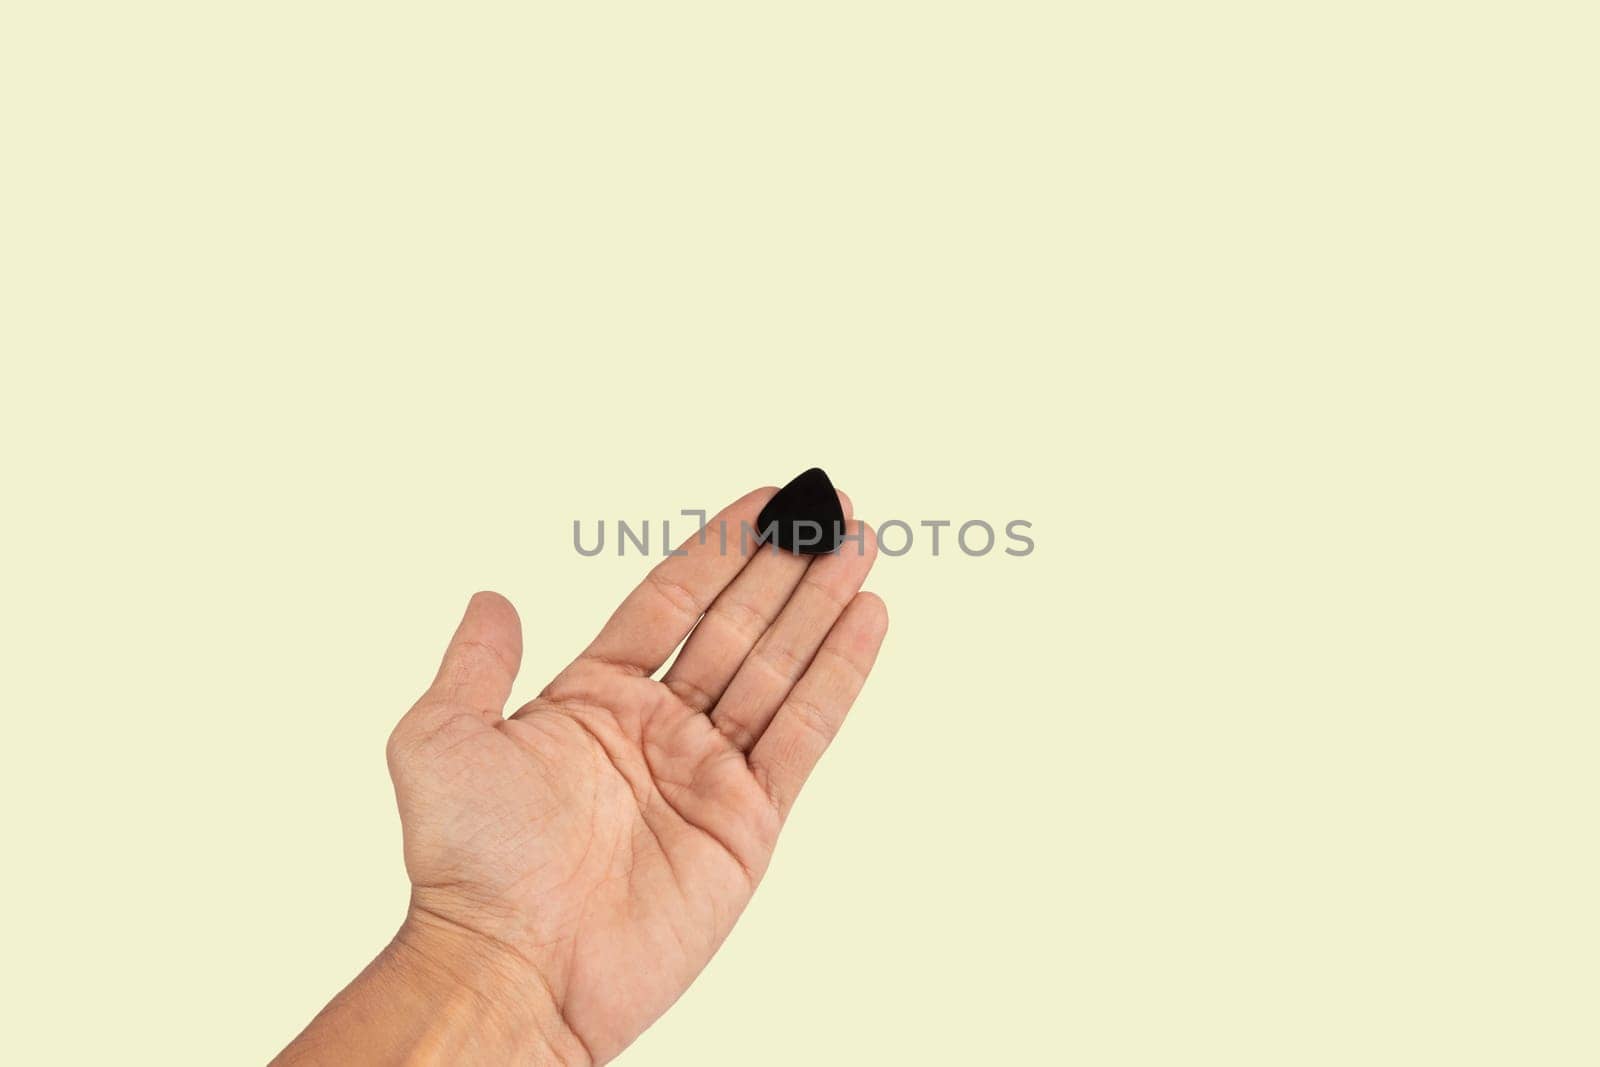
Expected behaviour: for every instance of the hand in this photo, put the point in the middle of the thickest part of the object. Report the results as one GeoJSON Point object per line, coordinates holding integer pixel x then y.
{"type": "Point", "coordinates": [579, 862]}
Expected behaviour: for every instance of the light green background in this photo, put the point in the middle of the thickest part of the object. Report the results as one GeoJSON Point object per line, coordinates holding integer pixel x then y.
{"type": "Point", "coordinates": [1278, 321]}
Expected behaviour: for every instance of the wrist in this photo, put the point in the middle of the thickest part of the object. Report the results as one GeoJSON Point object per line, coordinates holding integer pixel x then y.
{"type": "Point", "coordinates": [440, 993]}
{"type": "Point", "coordinates": [482, 1000]}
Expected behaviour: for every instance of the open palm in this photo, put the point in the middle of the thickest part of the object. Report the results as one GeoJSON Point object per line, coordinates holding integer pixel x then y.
{"type": "Point", "coordinates": [607, 835]}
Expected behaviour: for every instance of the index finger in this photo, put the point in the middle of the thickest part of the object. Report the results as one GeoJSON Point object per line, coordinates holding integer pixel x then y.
{"type": "Point", "coordinates": [660, 612]}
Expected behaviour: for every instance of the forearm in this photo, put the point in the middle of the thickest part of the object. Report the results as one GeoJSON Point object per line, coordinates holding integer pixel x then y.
{"type": "Point", "coordinates": [437, 995]}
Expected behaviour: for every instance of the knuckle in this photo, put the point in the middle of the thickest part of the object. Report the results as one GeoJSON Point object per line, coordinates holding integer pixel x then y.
{"type": "Point", "coordinates": [737, 731]}
{"type": "Point", "coordinates": [746, 622]}
{"type": "Point", "coordinates": [827, 593]}
{"type": "Point", "coordinates": [473, 657]}
{"type": "Point", "coordinates": [690, 692]}
{"type": "Point", "coordinates": [811, 718]}
{"type": "Point", "coordinates": [674, 592]}
{"type": "Point", "coordinates": [783, 660]}
{"type": "Point", "coordinates": [852, 670]}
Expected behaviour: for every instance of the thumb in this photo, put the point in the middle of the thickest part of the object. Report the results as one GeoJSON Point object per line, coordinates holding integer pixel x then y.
{"type": "Point", "coordinates": [482, 660]}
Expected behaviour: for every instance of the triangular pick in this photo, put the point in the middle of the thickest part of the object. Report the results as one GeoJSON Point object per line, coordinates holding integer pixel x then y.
{"type": "Point", "coordinates": [804, 516]}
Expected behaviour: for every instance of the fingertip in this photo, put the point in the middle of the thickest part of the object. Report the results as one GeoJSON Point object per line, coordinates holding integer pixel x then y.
{"type": "Point", "coordinates": [868, 545]}
{"type": "Point", "coordinates": [493, 619]}
{"type": "Point", "coordinates": [480, 663]}
{"type": "Point", "coordinates": [844, 502]}
{"type": "Point", "coordinates": [874, 610]}
{"type": "Point", "coordinates": [487, 600]}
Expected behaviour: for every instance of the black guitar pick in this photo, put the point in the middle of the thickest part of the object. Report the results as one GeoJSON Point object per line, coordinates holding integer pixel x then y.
{"type": "Point", "coordinates": [804, 516]}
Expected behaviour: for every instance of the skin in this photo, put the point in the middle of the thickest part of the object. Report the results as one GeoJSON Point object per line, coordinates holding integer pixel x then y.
{"type": "Point", "coordinates": [576, 864]}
